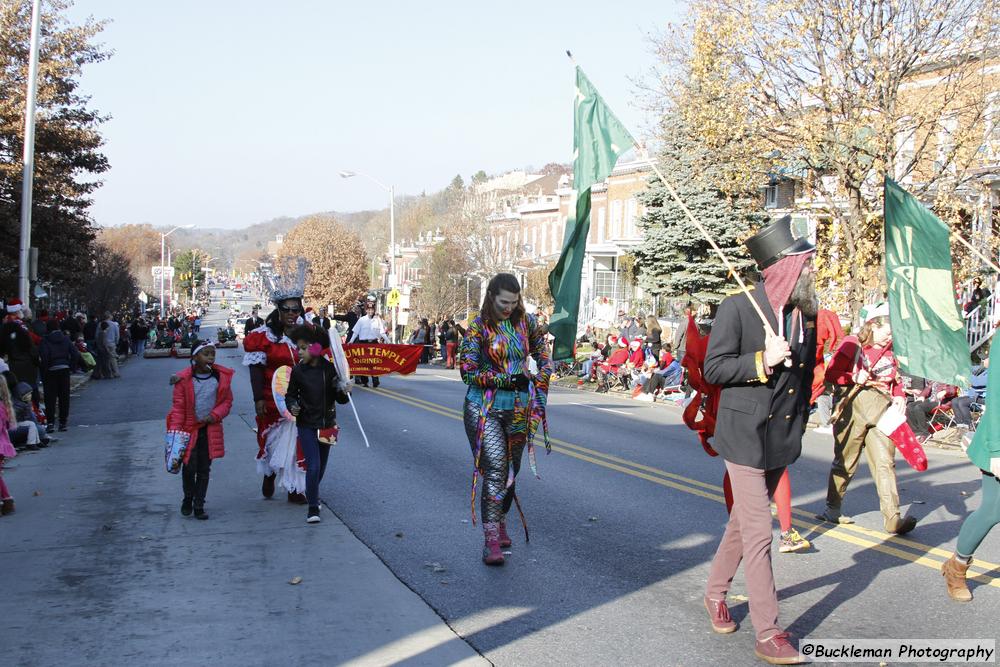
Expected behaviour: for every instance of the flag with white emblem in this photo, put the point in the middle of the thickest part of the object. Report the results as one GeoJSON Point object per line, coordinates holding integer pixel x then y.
{"type": "Point", "coordinates": [928, 333]}
{"type": "Point", "coordinates": [599, 139]}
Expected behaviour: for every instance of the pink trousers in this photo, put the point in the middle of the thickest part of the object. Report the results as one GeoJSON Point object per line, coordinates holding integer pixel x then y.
{"type": "Point", "coordinates": [748, 540]}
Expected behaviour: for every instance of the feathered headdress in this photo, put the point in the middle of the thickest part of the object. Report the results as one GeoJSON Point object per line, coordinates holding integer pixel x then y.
{"type": "Point", "coordinates": [289, 280]}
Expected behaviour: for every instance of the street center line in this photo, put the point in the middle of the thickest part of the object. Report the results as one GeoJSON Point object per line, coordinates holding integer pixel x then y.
{"type": "Point", "coordinates": [686, 485]}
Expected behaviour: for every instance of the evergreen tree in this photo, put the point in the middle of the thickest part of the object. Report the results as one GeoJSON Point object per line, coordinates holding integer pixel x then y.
{"type": "Point", "coordinates": [675, 259]}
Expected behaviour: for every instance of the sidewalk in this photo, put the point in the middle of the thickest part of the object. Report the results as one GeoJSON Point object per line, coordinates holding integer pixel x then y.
{"type": "Point", "coordinates": [100, 568]}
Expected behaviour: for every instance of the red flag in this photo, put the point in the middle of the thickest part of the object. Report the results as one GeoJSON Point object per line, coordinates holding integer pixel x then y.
{"type": "Point", "coordinates": [696, 347]}
{"type": "Point", "coordinates": [382, 358]}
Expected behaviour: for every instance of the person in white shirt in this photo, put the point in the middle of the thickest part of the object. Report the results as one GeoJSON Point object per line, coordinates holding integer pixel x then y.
{"type": "Point", "coordinates": [369, 329]}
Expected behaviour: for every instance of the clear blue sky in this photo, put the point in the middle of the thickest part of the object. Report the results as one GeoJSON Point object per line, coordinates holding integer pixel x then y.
{"type": "Point", "coordinates": [230, 113]}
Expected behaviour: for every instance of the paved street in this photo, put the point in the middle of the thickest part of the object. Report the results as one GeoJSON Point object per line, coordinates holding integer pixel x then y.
{"type": "Point", "coordinates": [100, 567]}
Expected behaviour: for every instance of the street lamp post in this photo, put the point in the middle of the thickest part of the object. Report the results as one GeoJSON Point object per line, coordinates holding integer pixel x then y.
{"type": "Point", "coordinates": [163, 247]}
{"type": "Point", "coordinates": [203, 269]}
{"type": "Point", "coordinates": [28, 174]}
{"type": "Point", "coordinates": [392, 234]}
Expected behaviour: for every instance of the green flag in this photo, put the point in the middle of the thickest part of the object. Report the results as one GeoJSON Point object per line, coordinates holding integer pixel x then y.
{"type": "Point", "coordinates": [928, 331]}
{"type": "Point", "coordinates": [598, 139]}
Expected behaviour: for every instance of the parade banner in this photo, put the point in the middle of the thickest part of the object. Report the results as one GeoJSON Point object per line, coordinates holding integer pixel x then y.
{"type": "Point", "coordinates": [382, 358]}
{"type": "Point", "coordinates": [928, 333]}
{"type": "Point", "coordinates": [598, 139]}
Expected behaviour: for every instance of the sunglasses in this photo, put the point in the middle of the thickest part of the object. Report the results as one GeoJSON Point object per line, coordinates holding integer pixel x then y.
{"type": "Point", "coordinates": [293, 309]}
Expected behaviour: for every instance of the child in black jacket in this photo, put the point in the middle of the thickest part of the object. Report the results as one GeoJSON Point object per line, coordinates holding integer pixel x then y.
{"type": "Point", "coordinates": [312, 395]}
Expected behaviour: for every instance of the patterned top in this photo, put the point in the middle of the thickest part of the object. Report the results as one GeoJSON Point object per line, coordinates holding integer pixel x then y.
{"type": "Point", "coordinates": [492, 354]}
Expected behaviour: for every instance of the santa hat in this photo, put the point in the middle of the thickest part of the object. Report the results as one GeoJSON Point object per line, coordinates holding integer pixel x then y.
{"type": "Point", "coordinates": [14, 306]}
{"type": "Point", "coordinates": [636, 342]}
{"type": "Point", "coordinates": [623, 342]}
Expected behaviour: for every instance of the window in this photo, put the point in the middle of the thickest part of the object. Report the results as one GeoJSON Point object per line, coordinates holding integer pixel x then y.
{"type": "Point", "coordinates": [545, 239]}
{"type": "Point", "coordinates": [947, 128]}
{"type": "Point", "coordinates": [771, 196]}
{"type": "Point", "coordinates": [905, 149]}
{"type": "Point", "coordinates": [992, 122]}
{"type": "Point", "coordinates": [602, 224]}
{"type": "Point", "coordinates": [630, 210]}
{"type": "Point", "coordinates": [616, 219]}
{"type": "Point", "coordinates": [604, 284]}
{"type": "Point", "coordinates": [534, 241]}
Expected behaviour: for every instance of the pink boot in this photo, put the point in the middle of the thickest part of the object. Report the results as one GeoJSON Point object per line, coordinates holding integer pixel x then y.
{"type": "Point", "coordinates": [504, 537]}
{"type": "Point", "coordinates": [491, 549]}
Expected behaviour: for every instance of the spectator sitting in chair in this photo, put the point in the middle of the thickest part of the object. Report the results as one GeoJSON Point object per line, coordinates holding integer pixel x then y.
{"type": "Point", "coordinates": [589, 366]}
{"type": "Point", "coordinates": [636, 360]}
{"type": "Point", "coordinates": [919, 411]}
{"type": "Point", "coordinates": [642, 374]}
{"type": "Point", "coordinates": [669, 374]}
{"type": "Point", "coordinates": [618, 359]}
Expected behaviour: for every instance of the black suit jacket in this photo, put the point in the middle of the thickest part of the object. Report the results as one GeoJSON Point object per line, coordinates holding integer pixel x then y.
{"type": "Point", "coordinates": [761, 416]}
{"type": "Point", "coordinates": [251, 324]}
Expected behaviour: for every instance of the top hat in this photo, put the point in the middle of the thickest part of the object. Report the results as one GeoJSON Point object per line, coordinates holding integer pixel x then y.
{"type": "Point", "coordinates": [776, 241]}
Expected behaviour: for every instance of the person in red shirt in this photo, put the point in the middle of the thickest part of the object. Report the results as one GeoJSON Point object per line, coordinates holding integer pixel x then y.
{"type": "Point", "coordinates": [867, 382]}
{"type": "Point", "coordinates": [829, 333]}
{"type": "Point", "coordinates": [614, 364]}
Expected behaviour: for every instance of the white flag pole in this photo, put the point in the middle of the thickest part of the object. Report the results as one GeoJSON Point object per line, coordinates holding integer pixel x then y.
{"type": "Point", "coordinates": [344, 374]}
{"type": "Point", "coordinates": [360, 427]}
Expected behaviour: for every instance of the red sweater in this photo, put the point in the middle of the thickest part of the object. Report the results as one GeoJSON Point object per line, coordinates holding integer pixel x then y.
{"type": "Point", "coordinates": [880, 364]}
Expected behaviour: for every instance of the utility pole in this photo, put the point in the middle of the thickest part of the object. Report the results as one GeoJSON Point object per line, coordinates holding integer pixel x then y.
{"type": "Point", "coordinates": [28, 175]}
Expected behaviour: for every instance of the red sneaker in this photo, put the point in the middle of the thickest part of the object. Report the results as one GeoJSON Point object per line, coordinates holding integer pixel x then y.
{"type": "Point", "coordinates": [491, 548]}
{"type": "Point", "coordinates": [779, 650]}
{"type": "Point", "coordinates": [718, 615]}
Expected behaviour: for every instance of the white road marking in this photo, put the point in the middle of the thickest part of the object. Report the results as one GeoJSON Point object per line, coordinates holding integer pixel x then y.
{"type": "Point", "coordinates": [445, 377]}
{"type": "Point", "coordinates": [586, 405]}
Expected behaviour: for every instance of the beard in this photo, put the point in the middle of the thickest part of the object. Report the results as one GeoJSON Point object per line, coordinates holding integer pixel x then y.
{"type": "Point", "coordinates": [804, 296]}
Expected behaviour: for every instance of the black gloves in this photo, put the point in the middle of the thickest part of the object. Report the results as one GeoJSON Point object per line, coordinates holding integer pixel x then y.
{"type": "Point", "coordinates": [521, 383]}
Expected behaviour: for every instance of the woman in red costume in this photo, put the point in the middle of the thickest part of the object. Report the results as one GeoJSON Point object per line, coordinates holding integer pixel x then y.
{"type": "Point", "coordinates": [267, 348]}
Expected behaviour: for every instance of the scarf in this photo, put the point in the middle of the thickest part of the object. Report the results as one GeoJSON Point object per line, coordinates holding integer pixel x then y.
{"type": "Point", "coordinates": [780, 279]}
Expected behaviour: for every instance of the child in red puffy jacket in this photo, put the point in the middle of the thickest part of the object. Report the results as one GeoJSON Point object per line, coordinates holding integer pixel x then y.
{"type": "Point", "coordinates": [203, 397]}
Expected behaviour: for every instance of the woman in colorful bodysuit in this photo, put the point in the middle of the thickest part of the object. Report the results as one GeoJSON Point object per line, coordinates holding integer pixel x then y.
{"type": "Point", "coordinates": [505, 402]}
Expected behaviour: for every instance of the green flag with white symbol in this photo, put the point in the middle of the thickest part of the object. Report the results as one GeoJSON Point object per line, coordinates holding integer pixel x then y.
{"type": "Point", "coordinates": [598, 139]}
{"type": "Point", "coordinates": [928, 332]}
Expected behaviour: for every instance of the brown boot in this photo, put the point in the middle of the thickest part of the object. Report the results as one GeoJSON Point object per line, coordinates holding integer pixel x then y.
{"type": "Point", "coordinates": [900, 526]}
{"type": "Point", "coordinates": [954, 572]}
{"type": "Point", "coordinates": [7, 507]}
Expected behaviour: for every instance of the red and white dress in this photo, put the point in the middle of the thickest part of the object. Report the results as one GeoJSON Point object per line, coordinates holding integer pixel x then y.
{"type": "Point", "coordinates": [263, 348]}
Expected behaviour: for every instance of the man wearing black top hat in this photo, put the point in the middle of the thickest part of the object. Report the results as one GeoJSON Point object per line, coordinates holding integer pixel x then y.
{"type": "Point", "coordinates": [763, 408]}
